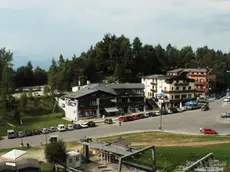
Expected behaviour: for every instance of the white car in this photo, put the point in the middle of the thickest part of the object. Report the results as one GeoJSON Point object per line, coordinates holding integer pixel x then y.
{"type": "Point", "coordinates": [226, 99]}
{"type": "Point", "coordinates": [61, 127]}
{"type": "Point", "coordinates": [84, 125]}
{"type": "Point", "coordinates": [70, 127]}
{"type": "Point", "coordinates": [44, 130]}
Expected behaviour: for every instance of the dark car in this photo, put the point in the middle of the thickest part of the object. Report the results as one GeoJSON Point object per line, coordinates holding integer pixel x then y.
{"type": "Point", "coordinates": [91, 124]}
{"type": "Point", "coordinates": [108, 121]}
{"type": "Point", "coordinates": [174, 110]}
{"type": "Point", "coordinates": [129, 118]}
{"type": "Point", "coordinates": [204, 108]}
{"type": "Point", "coordinates": [152, 114]}
{"type": "Point", "coordinates": [36, 132]}
{"type": "Point", "coordinates": [28, 133]}
{"type": "Point", "coordinates": [77, 126]}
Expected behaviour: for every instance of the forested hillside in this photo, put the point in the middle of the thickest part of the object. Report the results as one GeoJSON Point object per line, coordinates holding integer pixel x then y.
{"type": "Point", "coordinates": [114, 58]}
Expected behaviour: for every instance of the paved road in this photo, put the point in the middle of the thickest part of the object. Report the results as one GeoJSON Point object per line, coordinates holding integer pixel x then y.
{"type": "Point", "coordinates": [186, 122]}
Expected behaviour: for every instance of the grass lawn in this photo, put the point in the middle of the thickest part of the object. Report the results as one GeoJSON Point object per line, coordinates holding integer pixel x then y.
{"type": "Point", "coordinates": [35, 122]}
{"type": "Point", "coordinates": [46, 167]}
{"type": "Point", "coordinates": [174, 149]}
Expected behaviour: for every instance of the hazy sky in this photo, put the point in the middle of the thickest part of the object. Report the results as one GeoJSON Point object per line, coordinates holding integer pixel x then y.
{"type": "Point", "coordinates": [38, 30]}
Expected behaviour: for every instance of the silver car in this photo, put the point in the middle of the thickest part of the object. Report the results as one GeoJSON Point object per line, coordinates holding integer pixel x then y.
{"type": "Point", "coordinates": [225, 115]}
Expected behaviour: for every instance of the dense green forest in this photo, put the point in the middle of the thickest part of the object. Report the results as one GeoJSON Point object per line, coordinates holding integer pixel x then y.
{"type": "Point", "coordinates": [114, 58]}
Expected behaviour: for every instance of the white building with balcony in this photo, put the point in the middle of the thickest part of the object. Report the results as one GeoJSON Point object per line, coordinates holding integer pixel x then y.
{"type": "Point", "coordinates": [170, 90]}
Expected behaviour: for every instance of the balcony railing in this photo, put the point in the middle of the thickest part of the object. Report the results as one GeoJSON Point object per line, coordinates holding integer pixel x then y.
{"type": "Point", "coordinates": [182, 84]}
{"type": "Point", "coordinates": [154, 90]}
{"type": "Point", "coordinates": [181, 99]}
{"type": "Point", "coordinates": [153, 83]}
{"type": "Point", "coordinates": [179, 91]}
{"type": "Point", "coordinates": [199, 83]}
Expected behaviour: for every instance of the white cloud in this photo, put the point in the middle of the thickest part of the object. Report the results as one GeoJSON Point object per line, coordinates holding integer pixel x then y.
{"type": "Point", "coordinates": [48, 28]}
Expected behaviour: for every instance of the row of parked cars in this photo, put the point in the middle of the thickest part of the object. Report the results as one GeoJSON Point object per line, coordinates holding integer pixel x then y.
{"type": "Point", "coordinates": [137, 116]}
{"type": "Point", "coordinates": [60, 128]}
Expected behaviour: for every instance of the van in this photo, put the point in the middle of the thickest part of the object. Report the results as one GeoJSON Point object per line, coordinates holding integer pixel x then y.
{"type": "Point", "coordinates": [11, 134]}
{"type": "Point", "coordinates": [61, 127]}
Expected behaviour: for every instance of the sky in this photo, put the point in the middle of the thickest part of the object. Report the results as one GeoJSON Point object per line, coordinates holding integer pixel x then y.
{"type": "Point", "coordinates": [39, 30]}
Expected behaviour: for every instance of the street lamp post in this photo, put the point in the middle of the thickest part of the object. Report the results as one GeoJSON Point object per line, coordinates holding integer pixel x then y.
{"type": "Point", "coordinates": [160, 128]}
{"type": "Point", "coordinates": [228, 80]}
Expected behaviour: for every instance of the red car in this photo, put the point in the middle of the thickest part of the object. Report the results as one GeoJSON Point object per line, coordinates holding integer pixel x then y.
{"type": "Point", "coordinates": [208, 131]}
{"type": "Point", "coordinates": [135, 116]}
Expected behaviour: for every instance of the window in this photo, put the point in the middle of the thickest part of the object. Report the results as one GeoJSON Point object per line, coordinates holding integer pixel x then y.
{"type": "Point", "coordinates": [189, 87]}
{"type": "Point", "coordinates": [172, 97]}
{"type": "Point", "coordinates": [177, 88]}
{"type": "Point", "coordinates": [177, 96]}
{"type": "Point", "coordinates": [184, 88]}
{"type": "Point", "coordinates": [70, 161]}
{"type": "Point", "coordinates": [189, 96]}
{"type": "Point", "coordinates": [93, 103]}
{"type": "Point", "coordinates": [172, 88]}
{"type": "Point", "coordinates": [183, 96]}
{"type": "Point", "coordinates": [202, 73]}
{"type": "Point", "coordinates": [165, 88]}
{"type": "Point", "coordinates": [201, 80]}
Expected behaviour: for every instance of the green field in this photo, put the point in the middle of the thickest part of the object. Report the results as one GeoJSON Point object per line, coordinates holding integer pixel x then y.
{"type": "Point", "coordinates": [34, 122]}
{"type": "Point", "coordinates": [174, 149]}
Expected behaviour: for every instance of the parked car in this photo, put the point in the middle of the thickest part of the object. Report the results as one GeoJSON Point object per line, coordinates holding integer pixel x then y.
{"type": "Point", "coordinates": [125, 118]}
{"type": "Point", "coordinates": [225, 115]}
{"type": "Point", "coordinates": [44, 130]}
{"type": "Point", "coordinates": [21, 134]}
{"type": "Point", "coordinates": [70, 127]}
{"type": "Point", "coordinates": [226, 99]}
{"type": "Point", "coordinates": [152, 114]}
{"type": "Point", "coordinates": [208, 131]}
{"type": "Point", "coordinates": [36, 132]}
{"type": "Point", "coordinates": [129, 118]}
{"type": "Point", "coordinates": [52, 129]}
{"type": "Point", "coordinates": [61, 128]}
{"type": "Point", "coordinates": [91, 124]}
{"type": "Point", "coordinates": [84, 125]}
{"type": "Point", "coordinates": [174, 110]}
{"type": "Point", "coordinates": [108, 121]}
{"type": "Point", "coordinates": [135, 116]}
{"type": "Point", "coordinates": [77, 126]}
{"type": "Point", "coordinates": [141, 115]}
{"type": "Point", "coordinates": [28, 133]}
{"type": "Point", "coordinates": [204, 108]}
{"type": "Point", "coordinates": [11, 134]}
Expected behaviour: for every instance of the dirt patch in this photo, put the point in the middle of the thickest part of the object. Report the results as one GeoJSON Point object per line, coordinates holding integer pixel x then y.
{"type": "Point", "coordinates": [173, 144]}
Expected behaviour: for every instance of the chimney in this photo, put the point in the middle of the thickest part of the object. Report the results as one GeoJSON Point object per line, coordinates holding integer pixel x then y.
{"type": "Point", "coordinates": [79, 83]}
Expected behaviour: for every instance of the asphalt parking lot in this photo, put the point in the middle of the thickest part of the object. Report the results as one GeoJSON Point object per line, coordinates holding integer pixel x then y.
{"type": "Point", "coordinates": [186, 122]}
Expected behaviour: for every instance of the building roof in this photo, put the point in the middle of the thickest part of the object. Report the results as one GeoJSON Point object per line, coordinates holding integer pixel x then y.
{"type": "Point", "coordinates": [152, 76]}
{"type": "Point", "coordinates": [191, 70]}
{"type": "Point", "coordinates": [108, 88]}
{"type": "Point", "coordinates": [73, 153]}
{"type": "Point", "coordinates": [176, 70]}
{"type": "Point", "coordinates": [159, 77]}
{"type": "Point", "coordinates": [110, 147]}
{"type": "Point", "coordinates": [13, 154]}
{"type": "Point", "coordinates": [18, 165]}
{"type": "Point", "coordinates": [80, 93]}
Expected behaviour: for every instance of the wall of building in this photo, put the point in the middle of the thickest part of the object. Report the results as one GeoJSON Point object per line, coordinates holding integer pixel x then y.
{"type": "Point", "coordinates": [148, 87]}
